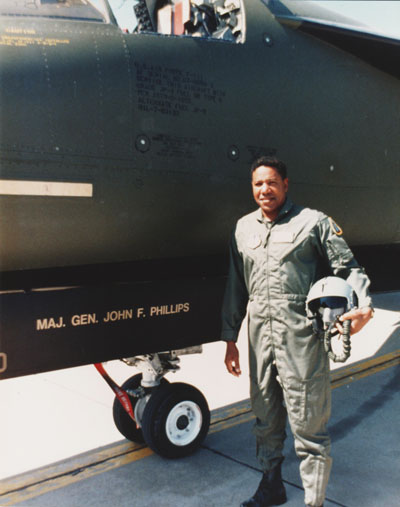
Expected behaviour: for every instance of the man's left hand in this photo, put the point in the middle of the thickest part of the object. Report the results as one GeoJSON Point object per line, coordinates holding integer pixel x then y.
{"type": "Point", "coordinates": [359, 317]}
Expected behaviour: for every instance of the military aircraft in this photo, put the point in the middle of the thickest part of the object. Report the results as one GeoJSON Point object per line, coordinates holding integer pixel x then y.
{"type": "Point", "coordinates": [124, 166]}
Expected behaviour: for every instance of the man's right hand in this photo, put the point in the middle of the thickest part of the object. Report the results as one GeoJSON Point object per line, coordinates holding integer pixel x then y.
{"type": "Point", "coordinates": [232, 359]}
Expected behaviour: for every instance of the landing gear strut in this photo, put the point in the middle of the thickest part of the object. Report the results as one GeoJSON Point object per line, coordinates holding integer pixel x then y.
{"type": "Point", "coordinates": [171, 418]}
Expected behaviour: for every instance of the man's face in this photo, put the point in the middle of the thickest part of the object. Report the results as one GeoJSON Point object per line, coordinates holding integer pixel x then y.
{"type": "Point", "coordinates": [269, 190]}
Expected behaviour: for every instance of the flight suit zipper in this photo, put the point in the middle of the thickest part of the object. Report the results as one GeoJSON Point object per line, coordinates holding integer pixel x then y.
{"type": "Point", "coordinates": [268, 225]}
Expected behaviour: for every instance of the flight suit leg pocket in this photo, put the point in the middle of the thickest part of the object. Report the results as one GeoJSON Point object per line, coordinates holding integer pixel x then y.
{"type": "Point", "coordinates": [294, 396]}
{"type": "Point", "coordinates": [308, 402]}
{"type": "Point", "coordinates": [317, 402]}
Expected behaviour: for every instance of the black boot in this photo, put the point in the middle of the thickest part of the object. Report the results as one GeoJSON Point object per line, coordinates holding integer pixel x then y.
{"type": "Point", "coordinates": [270, 491]}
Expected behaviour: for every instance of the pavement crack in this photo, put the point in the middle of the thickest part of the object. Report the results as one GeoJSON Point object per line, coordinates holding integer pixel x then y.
{"type": "Point", "coordinates": [251, 467]}
{"type": "Point", "coordinates": [243, 463]}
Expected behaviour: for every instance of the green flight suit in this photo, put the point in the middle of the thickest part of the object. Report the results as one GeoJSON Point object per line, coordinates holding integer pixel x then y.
{"type": "Point", "coordinates": [272, 268]}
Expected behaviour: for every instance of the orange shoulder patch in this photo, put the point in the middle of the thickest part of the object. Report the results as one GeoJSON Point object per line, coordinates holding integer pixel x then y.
{"type": "Point", "coordinates": [335, 228]}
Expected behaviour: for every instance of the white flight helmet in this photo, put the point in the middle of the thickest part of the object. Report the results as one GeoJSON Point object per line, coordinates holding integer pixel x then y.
{"type": "Point", "coordinates": [329, 298]}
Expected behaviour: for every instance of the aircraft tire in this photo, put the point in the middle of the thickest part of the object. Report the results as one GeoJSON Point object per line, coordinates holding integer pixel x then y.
{"type": "Point", "coordinates": [176, 420]}
{"type": "Point", "coordinates": [122, 420]}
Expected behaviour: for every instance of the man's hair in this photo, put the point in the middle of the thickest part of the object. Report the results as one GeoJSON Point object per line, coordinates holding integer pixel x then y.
{"type": "Point", "coordinates": [273, 162]}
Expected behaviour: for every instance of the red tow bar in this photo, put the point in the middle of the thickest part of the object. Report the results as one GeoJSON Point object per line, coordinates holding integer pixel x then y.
{"type": "Point", "coordinates": [119, 393]}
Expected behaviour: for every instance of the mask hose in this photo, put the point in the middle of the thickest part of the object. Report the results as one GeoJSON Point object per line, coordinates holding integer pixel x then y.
{"type": "Point", "coordinates": [346, 345]}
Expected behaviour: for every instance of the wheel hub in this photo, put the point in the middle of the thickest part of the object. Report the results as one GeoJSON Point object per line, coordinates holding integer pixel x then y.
{"type": "Point", "coordinates": [184, 423]}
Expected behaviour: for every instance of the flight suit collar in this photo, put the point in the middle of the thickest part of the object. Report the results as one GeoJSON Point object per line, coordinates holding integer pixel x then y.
{"type": "Point", "coordinates": [283, 212]}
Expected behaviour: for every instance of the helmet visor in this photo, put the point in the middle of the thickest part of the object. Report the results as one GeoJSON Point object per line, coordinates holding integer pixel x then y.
{"type": "Point", "coordinates": [333, 302]}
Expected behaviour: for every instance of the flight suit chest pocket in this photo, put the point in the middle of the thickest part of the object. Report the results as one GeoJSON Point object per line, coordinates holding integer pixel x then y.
{"type": "Point", "coordinates": [280, 243]}
{"type": "Point", "coordinates": [254, 241]}
{"type": "Point", "coordinates": [253, 250]}
{"type": "Point", "coordinates": [282, 237]}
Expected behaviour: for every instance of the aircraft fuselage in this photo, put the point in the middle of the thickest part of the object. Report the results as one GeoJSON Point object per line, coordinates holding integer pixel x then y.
{"type": "Point", "coordinates": [154, 136]}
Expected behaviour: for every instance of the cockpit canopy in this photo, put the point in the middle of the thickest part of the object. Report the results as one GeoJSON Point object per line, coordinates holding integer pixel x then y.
{"type": "Point", "coordinates": [78, 10]}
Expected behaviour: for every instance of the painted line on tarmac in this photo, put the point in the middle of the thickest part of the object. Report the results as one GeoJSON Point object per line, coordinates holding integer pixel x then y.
{"type": "Point", "coordinates": [63, 479]}
{"type": "Point", "coordinates": [36, 483]}
{"type": "Point", "coordinates": [357, 371]}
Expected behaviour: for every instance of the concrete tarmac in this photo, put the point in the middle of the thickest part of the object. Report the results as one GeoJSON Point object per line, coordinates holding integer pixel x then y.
{"type": "Point", "coordinates": [224, 471]}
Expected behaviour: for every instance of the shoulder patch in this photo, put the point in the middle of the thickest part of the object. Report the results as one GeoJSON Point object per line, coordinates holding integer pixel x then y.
{"type": "Point", "coordinates": [335, 227]}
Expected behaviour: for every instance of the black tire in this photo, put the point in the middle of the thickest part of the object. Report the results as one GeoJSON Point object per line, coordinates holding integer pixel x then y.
{"type": "Point", "coordinates": [122, 420]}
{"type": "Point", "coordinates": [176, 420]}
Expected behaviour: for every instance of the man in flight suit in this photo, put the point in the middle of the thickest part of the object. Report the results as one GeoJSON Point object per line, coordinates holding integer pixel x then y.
{"type": "Point", "coordinates": [277, 253]}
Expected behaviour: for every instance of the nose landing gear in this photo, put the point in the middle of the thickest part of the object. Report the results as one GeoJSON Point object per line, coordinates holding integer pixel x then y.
{"type": "Point", "coordinates": [171, 418]}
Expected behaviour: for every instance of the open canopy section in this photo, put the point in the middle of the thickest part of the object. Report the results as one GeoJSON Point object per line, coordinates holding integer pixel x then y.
{"type": "Point", "coordinates": [78, 10]}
